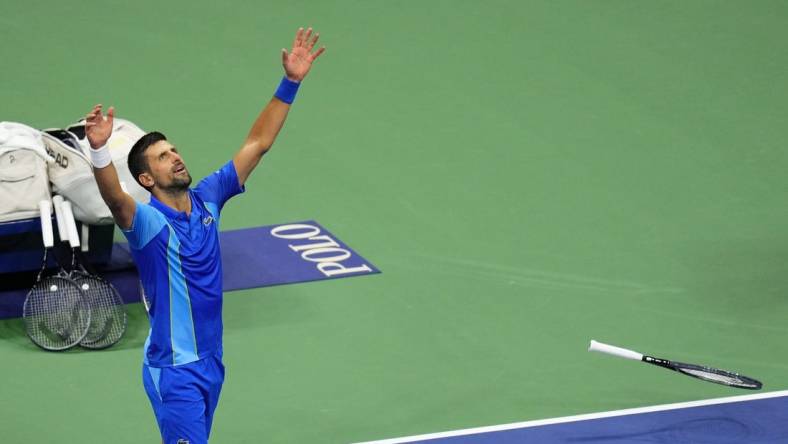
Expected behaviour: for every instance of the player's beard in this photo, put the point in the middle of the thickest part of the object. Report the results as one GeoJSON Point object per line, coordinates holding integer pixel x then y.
{"type": "Point", "coordinates": [178, 185]}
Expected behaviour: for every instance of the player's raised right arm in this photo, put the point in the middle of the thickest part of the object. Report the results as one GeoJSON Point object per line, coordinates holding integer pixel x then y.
{"type": "Point", "coordinates": [98, 128]}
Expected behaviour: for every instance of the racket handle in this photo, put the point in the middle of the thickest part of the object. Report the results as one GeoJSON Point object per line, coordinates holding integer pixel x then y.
{"type": "Point", "coordinates": [615, 351]}
{"type": "Point", "coordinates": [46, 223]}
{"type": "Point", "coordinates": [68, 215]}
{"type": "Point", "coordinates": [62, 231]}
{"type": "Point", "coordinates": [85, 234]}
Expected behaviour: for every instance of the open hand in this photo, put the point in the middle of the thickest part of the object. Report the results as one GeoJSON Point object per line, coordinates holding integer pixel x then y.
{"type": "Point", "coordinates": [98, 128]}
{"type": "Point", "coordinates": [298, 62]}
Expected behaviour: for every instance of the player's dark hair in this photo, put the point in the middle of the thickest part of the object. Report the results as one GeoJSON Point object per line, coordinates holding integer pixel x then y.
{"type": "Point", "coordinates": [136, 159]}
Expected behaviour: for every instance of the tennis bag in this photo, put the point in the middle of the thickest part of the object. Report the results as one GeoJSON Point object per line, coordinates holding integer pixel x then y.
{"type": "Point", "coordinates": [71, 173]}
{"type": "Point", "coordinates": [23, 171]}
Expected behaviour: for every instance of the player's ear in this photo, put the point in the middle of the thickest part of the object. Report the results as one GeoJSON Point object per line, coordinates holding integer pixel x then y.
{"type": "Point", "coordinates": [146, 180]}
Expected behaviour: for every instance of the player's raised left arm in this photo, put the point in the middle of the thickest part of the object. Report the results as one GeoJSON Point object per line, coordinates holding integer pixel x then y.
{"type": "Point", "coordinates": [297, 64]}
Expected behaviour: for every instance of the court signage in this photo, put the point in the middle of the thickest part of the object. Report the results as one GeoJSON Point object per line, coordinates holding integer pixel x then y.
{"type": "Point", "coordinates": [287, 253]}
{"type": "Point", "coordinates": [325, 252]}
{"type": "Point", "coordinates": [251, 257]}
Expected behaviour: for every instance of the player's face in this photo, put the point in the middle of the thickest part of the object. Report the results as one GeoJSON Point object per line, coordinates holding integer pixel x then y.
{"type": "Point", "coordinates": [166, 166]}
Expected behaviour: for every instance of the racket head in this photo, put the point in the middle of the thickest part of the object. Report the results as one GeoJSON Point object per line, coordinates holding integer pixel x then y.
{"type": "Point", "coordinates": [108, 314]}
{"type": "Point", "coordinates": [56, 314]}
{"type": "Point", "coordinates": [717, 376]}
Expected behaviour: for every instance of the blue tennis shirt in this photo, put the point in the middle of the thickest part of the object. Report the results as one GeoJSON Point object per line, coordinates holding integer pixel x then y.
{"type": "Point", "coordinates": [180, 267]}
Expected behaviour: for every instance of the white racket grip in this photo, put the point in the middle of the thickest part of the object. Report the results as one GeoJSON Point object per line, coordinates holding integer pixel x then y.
{"type": "Point", "coordinates": [68, 215]}
{"type": "Point", "coordinates": [85, 235]}
{"type": "Point", "coordinates": [46, 223]}
{"type": "Point", "coordinates": [615, 351]}
{"type": "Point", "coordinates": [62, 231]}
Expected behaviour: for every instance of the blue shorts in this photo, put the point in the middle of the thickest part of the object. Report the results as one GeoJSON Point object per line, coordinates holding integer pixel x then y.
{"type": "Point", "coordinates": [184, 398]}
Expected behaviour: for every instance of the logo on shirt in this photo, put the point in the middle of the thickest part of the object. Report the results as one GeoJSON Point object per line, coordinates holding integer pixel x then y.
{"type": "Point", "coordinates": [183, 441]}
{"type": "Point", "coordinates": [207, 220]}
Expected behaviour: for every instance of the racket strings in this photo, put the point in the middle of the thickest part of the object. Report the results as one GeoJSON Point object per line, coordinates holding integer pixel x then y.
{"type": "Point", "coordinates": [718, 376]}
{"type": "Point", "coordinates": [108, 316]}
{"type": "Point", "coordinates": [56, 313]}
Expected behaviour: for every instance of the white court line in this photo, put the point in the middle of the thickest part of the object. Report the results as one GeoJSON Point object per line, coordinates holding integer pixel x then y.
{"type": "Point", "coordinates": [585, 417]}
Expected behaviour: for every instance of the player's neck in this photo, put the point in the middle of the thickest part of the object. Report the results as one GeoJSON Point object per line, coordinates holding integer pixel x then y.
{"type": "Point", "coordinates": [179, 201]}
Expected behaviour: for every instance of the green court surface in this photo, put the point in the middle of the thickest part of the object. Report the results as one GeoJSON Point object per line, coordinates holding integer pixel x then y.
{"type": "Point", "coordinates": [527, 175]}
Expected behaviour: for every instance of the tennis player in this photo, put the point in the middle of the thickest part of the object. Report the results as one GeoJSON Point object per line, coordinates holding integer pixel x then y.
{"type": "Point", "coordinates": [174, 240]}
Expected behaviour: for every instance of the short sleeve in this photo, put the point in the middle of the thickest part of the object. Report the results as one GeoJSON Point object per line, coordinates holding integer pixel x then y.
{"type": "Point", "coordinates": [147, 223]}
{"type": "Point", "coordinates": [220, 186]}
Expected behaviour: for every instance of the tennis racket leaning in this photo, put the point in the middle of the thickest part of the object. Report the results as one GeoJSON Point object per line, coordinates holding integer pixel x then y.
{"type": "Point", "coordinates": [55, 313]}
{"type": "Point", "coordinates": [108, 315]}
{"type": "Point", "coordinates": [709, 374]}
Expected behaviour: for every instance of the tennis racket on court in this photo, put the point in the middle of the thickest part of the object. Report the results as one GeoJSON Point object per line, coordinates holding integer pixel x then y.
{"type": "Point", "coordinates": [55, 312]}
{"type": "Point", "coordinates": [108, 315]}
{"type": "Point", "coordinates": [709, 374]}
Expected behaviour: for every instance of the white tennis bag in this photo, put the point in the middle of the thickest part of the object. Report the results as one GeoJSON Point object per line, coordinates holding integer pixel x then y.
{"type": "Point", "coordinates": [23, 171]}
{"type": "Point", "coordinates": [71, 173]}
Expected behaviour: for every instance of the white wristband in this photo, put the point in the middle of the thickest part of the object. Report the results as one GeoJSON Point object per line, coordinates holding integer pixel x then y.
{"type": "Point", "coordinates": [100, 158]}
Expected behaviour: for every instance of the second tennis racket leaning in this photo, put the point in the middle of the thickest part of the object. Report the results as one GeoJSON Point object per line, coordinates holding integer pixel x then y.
{"type": "Point", "coordinates": [108, 314]}
{"type": "Point", "coordinates": [709, 374]}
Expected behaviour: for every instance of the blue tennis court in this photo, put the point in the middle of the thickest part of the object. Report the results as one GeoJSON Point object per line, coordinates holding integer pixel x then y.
{"type": "Point", "coordinates": [751, 419]}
